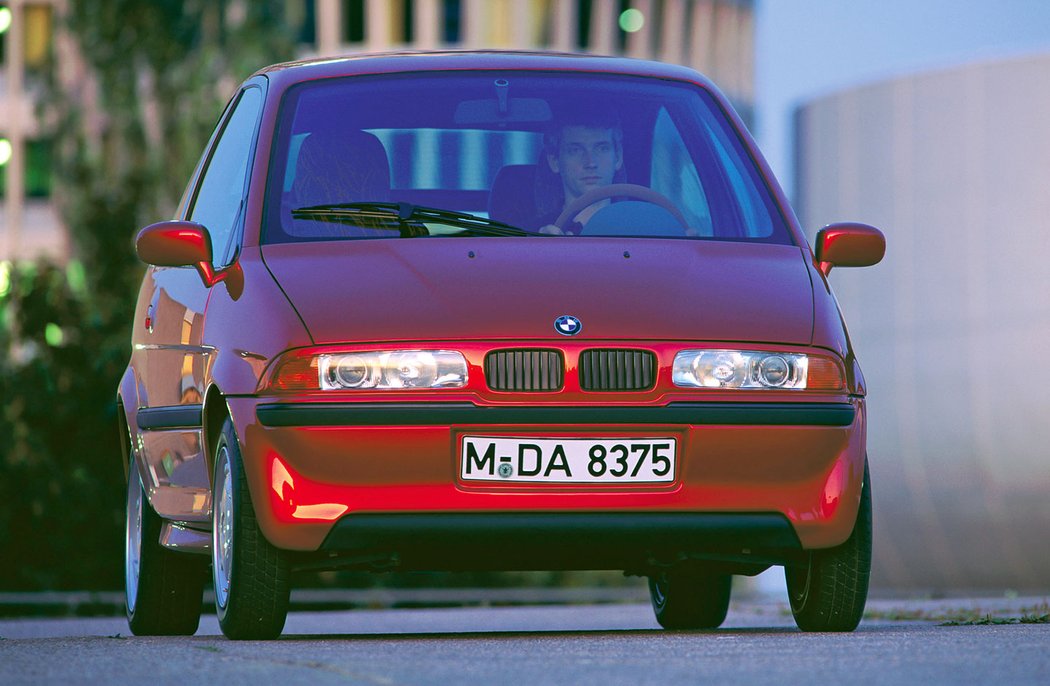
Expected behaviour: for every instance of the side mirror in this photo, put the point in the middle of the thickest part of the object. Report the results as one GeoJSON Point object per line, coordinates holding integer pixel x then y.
{"type": "Point", "coordinates": [849, 244]}
{"type": "Point", "coordinates": [174, 244]}
{"type": "Point", "coordinates": [186, 244]}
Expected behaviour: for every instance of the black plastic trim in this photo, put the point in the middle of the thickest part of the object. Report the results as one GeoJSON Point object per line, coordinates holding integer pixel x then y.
{"type": "Point", "coordinates": [170, 417]}
{"type": "Point", "coordinates": [446, 414]}
{"type": "Point", "coordinates": [617, 369]}
{"type": "Point", "coordinates": [525, 370]}
{"type": "Point", "coordinates": [570, 540]}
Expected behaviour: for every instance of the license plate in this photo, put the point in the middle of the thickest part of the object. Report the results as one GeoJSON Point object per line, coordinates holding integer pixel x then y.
{"type": "Point", "coordinates": [568, 460]}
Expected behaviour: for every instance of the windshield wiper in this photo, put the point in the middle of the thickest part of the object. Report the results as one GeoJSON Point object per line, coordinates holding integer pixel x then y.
{"type": "Point", "coordinates": [405, 217]}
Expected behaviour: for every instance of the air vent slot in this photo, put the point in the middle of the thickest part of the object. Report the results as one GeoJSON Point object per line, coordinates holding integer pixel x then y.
{"type": "Point", "coordinates": [617, 370]}
{"type": "Point", "coordinates": [524, 370]}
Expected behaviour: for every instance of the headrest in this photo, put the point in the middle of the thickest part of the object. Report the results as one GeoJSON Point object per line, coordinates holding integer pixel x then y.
{"type": "Point", "coordinates": [512, 198]}
{"type": "Point", "coordinates": [337, 166]}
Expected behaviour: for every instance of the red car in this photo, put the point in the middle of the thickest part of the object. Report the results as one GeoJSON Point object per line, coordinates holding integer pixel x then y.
{"type": "Point", "coordinates": [490, 311]}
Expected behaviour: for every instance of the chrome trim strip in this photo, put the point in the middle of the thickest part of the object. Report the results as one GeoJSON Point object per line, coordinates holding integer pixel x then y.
{"type": "Point", "coordinates": [181, 503]}
{"type": "Point", "coordinates": [175, 536]}
{"type": "Point", "coordinates": [175, 346]}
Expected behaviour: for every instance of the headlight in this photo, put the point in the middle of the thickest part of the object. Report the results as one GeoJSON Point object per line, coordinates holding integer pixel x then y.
{"type": "Point", "coordinates": [373, 369]}
{"type": "Point", "coordinates": [755, 369]}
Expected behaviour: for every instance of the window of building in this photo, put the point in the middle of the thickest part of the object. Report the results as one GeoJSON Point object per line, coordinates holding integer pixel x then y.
{"type": "Point", "coordinates": [37, 28]}
{"type": "Point", "coordinates": [5, 26]}
{"type": "Point", "coordinates": [38, 169]}
{"type": "Point", "coordinates": [453, 24]}
{"type": "Point", "coordinates": [38, 164]}
{"type": "Point", "coordinates": [354, 21]}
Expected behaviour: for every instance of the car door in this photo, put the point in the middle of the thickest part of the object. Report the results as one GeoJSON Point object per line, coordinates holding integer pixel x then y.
{"type": "Point", "coordinates": [172, 380]}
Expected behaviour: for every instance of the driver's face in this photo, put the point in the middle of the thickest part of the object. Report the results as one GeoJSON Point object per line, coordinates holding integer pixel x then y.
{"type": "Point", "coordinates": [587, 158]}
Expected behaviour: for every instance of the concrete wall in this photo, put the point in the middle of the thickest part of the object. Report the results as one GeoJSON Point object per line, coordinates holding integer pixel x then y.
{"type": "Point", "coordinates": [953, 328]}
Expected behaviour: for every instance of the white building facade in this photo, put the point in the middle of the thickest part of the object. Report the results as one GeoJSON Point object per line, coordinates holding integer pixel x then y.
{"type": "Point", "coordinates": [953, 327]}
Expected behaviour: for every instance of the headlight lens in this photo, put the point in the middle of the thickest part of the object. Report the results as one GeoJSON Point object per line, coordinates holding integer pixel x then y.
{"type": "Point", "coordinates": [392, 369]}
{"type": "Point", "coordinates": [755, 369]}
{"type": "Point", "coordinates": [374, 369]}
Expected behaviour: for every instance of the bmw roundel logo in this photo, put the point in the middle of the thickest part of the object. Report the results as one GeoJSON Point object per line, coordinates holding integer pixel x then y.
{"type": "Point", "coordinates": [567, 325]}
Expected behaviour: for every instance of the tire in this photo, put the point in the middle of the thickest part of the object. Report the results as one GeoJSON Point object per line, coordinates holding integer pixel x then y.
{"type": "Point", "coordinates": [163, 589]}
{"type": "Point", "coordinates": [690, 598]}
{"type": "Point", "coordinates": [830, 592]}
{"type": "Point", "coordinates": [251, 577]}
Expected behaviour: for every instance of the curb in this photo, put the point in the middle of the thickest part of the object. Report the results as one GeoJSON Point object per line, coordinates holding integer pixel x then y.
{"type": "Point", "coordinates": [111, 603]}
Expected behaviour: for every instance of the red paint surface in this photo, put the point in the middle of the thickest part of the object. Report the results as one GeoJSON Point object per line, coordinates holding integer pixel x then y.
{"type": "Point", "coordinates": [707, 290]}
{"type": "Point", "coordinates": [833, 490]}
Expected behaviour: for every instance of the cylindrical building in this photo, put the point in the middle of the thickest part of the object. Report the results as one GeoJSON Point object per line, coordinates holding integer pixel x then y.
{"type": "Point", "coordinates": [953, 327]}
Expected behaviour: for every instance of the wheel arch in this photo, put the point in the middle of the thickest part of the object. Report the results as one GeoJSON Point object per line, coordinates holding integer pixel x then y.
{"type": "Point", "coordinates": [213, 415]}
{"type": "Point", "coordinates": [124, 436]}
{"type": "Point", "coordinates": [126, 391]}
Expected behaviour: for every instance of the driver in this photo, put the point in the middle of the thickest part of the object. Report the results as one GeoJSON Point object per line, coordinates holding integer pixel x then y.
{"type": "Point", "coordinates": [584, 153]}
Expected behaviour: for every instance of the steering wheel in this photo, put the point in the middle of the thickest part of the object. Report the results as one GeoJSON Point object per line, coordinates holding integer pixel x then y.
{"type": "Point", "coordinates": [629, 190]}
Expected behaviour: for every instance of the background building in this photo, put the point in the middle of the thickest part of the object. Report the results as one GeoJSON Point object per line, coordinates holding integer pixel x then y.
{"type": "Point", "coordinates": [713, 36]}
{"type": "Point", "coordinates": [952, 327]}
{"type": "Point", "coordinates": [28, 221]}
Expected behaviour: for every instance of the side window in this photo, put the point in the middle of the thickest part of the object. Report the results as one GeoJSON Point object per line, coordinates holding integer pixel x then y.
{"type": "Point", "coordinates": [220, 196]}
{"type": "Point", "coordinates": [757, 221]}
{"type": "Point", "coordinates": [675, 175]}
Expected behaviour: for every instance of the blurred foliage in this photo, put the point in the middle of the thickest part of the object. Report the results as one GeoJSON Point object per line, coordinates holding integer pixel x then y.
{"type": "Point", "coordinates": [59, 481]}
{"type": "Point", "coordinates": [127, 133]}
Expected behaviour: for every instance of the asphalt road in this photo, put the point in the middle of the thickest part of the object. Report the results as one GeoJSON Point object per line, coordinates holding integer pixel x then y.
{"type": "Point", "coordinates": [564, 644]}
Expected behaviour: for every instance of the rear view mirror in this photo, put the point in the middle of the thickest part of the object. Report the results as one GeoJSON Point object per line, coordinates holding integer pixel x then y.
{"type": "Point", "coordinates": [848, 244]}
{"type": "Point", "coordinates": [513, 110]}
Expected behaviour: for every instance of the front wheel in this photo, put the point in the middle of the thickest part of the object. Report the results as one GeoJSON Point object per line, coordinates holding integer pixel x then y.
{"type": "Point", "coordinates": [690, 598]}
{"type": "Point", "coordinates": [162, 588]}
{"type": "Point", "coordinates": [251, 577]}
{"type": "Point", "coordinates": [828, 594]}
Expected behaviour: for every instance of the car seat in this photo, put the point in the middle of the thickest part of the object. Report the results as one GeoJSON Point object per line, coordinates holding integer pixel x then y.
{"type": "Point", "coordinates": [512, 199]}
{"type": "Point", "coordinates": [338, 166]}
{"type": "Point", "coordinates": [335, 166]}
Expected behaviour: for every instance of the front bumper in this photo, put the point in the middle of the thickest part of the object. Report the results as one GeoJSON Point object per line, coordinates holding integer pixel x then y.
{"type": "Point", "coordinates": [562, 540]}
{"type": "Point", "coordinates": [336, 477]}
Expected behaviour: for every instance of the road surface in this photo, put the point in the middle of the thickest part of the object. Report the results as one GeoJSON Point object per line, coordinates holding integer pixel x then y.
{"type": "Point", "coordinates": [562, 644]}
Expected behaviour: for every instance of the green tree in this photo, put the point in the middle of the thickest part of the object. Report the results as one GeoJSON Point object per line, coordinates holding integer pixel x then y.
{"type": "Point", "coordinates": [127, 133]}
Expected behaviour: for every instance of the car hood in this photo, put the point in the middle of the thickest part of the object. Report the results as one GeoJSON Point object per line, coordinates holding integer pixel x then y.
{"type": "Point", "coordinates": [514, 288]}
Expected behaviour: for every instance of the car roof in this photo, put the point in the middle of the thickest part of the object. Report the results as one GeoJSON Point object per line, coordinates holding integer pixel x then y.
{"type": "Point", "coordinates": [288, 73]}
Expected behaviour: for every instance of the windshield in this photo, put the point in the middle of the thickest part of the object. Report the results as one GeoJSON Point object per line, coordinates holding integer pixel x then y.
{"type": "Point", "coordinates": [487, 152]}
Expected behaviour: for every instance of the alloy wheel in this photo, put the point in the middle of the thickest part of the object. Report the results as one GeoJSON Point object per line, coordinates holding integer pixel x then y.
{"type": "Point", "coordinates": [222, 529]}
{"type": "Point", "coordinates": [133, 539]}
